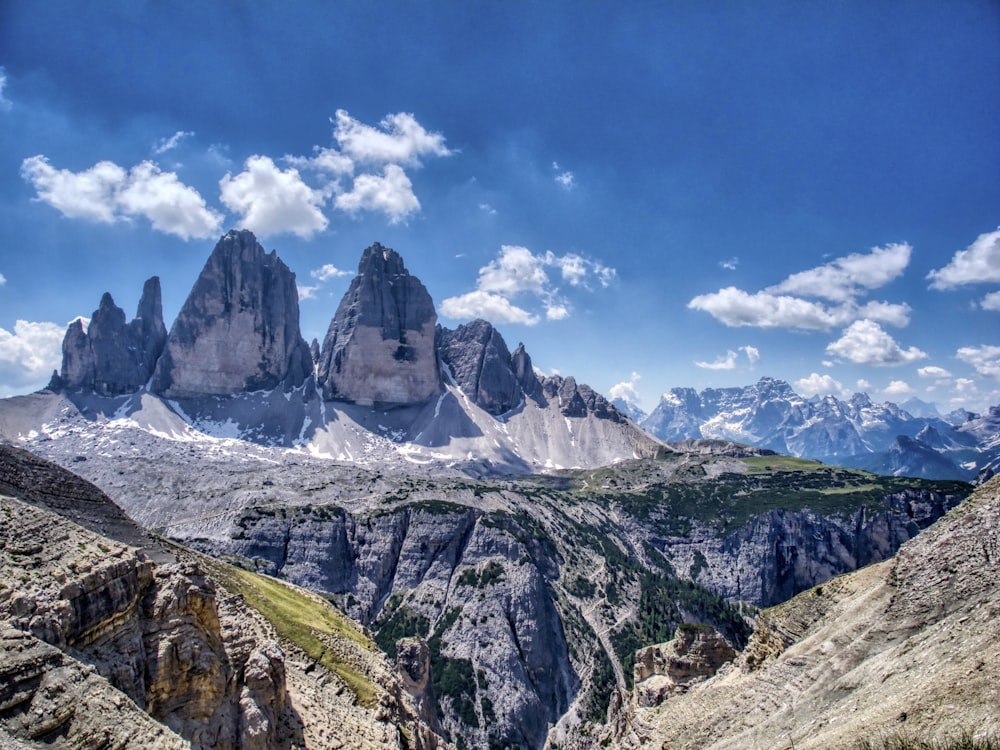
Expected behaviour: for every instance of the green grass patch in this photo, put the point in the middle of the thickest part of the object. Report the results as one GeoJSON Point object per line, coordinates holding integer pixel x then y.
{"type": "Point", "coordinates": [303, 621]}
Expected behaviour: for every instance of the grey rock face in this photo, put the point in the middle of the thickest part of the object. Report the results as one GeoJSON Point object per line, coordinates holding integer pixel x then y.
{"type": "Point", "coordinates": [782, 553]}
{"type": "Point", "coordinates": [379, 348]}
{"type": "Point", "coordinates": [477, 589]}
{"type": "Point", "coordinates": [114, 357]}
{"type": "Point", "coordinates": [579, 400]}
{"type": "Point", "coordinates": [481, 365]}
{"type": "Point", "coordinates": [239, 328]}
{"type": "Point", "coordinates": [695, 654]}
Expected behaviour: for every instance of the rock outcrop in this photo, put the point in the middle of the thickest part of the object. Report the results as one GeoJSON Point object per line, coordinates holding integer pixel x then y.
{"type": "Point", "coordinates": [379, 348]}
{"type": "Point", "coordinates": [475, 589]}
{"type": "Point", "coordinates": [695, 654]}
{"type": "Point", "coordinates": [480, 364]}
{"type": "Point", "coordinates": [113, 357]}
{"type": "Point", "coordinates": [102, 647]}
{"type": "Point", "coordinates": [905, 648]}
{"type": "Point", "coordinates": [238, 329]}
{"type": "Point", "coordinates": [151, 631]}
{"type": "Point", "coordinates": [47, 697]}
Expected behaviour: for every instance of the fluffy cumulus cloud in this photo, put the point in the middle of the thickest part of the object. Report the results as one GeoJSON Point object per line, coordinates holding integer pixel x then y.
{"type": "Point", "coordinates": [482, 304]}
{"type": "Point", "coordinates": [818, 385]}
{"type": "Point", "coordinates": [271, 200]}
{"type": "Point", "coordinates": [845, 278]}
{"type": "Point", "coordinates": [28, 355]}
{"type": "Point", "coordinates": [109, 193]}
{"type": "Point", "coordinates": [979, 262]}
{"type": "Point", "coordinates": [391, 193]}
{"type": "Point", "coordinates": [985, 359]}
{"type": "Point", "coordinates": [519, 273]}
{"type": "Point", "coordinates": [399, 139]}
{"type": "Point", "coordinates": [328, 271]}
{"type": "Point", "coordinates": [626, 390]}
{"type": "Point", "coordinates": [991, 301]}
{"type": "Point", "coordinates": [817, 299]}
{"type": "Point", "coordinates": [865, 342]}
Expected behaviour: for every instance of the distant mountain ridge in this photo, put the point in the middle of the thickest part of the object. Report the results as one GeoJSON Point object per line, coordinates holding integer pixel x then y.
{"type": "Point", "coordinates": [883, 438]}
{"type": "Point", "coordinates": [388, 378]}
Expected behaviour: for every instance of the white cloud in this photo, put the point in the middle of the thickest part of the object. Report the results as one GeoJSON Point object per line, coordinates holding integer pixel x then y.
{"type": "Point", "coordinates": [516, 270]}
{"type": "Point", "coordinates": [863, 385]}
{"type": "Point", "coordinates": [171, 206]}
{"type": "Point", "coordinates": [306, 292]}
{"type": "Point", "coordinates": [273, 201]}
{"type": "Point", "coordinates": [488, 305]}
{"type": "Point", "coordinates": [556, 311]}
{"type": "Point", "coordinates": [564, 177]}
{"type": "Point", "coordinates": [166, 144]}
{"type": "Point", "coordinates": [979, 262]}
{"type": "Point", "coordinates": [841, 282]}
{"type": "Point", "coordinates": [29, 355]}
{"type": "Point", "coordinates": [328, 271]}
{"type": "Point", "coordinates": [3, 279]}
{"type": "Point", "coordinates": [5, 103]}
{"type": "Point", "coordinates": [324, 160]}
{"type": "Point", "coordinates": [90, 194]}
{"type": "Point", "coordinates": [736, 308]}
{"type": "Point", "coordinates": [985, 359]}
{"type": "Point", "coordinates": [898, 388]}
{"type": "Point", "coordinates": [933, 371]}
{"type": "Point", "coordinates": [727, 362]}
{"type": "Point", "coordinates": [818, 385]}
{"type": "Point", "coordinates": [865, 342]}
{"type": "Point", "coordinates": [401, 140]}
{"type": "Point", "coordinates": [519, 272]}
{"type": "Point", "coordinates": [108, 193]}
{"type": "Point", "coordinates": [845, 278]}
{"type": "Point", "coordinates": [391, 193]}
{"type": "Point", "coordinates": [991, 301]}
{"type": "Point", "coordinates": [486, 208]}
{"type": "Point", "coordinates": [886, 312]}
{"type": "Point", "coordinates": [730, 264]}
{"type": "Point", "coordinates": [626, 390]}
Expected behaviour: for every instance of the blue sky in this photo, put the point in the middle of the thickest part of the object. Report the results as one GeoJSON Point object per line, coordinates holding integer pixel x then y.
{"type": "Point", "coordinates": [648, 195]}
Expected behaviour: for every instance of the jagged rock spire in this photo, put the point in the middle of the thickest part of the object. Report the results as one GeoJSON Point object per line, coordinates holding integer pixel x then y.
{"type": "Point", "coordinates": [113, 357]}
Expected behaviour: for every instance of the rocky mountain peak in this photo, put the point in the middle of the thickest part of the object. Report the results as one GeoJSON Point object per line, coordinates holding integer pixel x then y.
{"type": "Point", "coordinates": [113, 356]}
{"type": "Point", "coordinates": [239, 327]}
{"type": "Point", "coordinates": [481, 365]}
{"type": "Point", "coordinates": [379, 347]}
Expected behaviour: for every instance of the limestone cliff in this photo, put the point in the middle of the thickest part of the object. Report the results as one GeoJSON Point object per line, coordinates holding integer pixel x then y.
{"type": "Point", "coordinates": [907, 647]}
{"type": "Point", "coordinates": [379, 348]}
{"type": "Point", "coordinates": [100, 642]}
{"type": "Point", "coordinates": [238, 330]}
{"type": "Point", "coordinates": [113, 357]}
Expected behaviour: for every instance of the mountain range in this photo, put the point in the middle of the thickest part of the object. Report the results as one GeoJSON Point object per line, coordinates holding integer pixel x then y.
{"type": "Point", "coordinates": [509, 553]}
{"type": "Point", "coordinates": [387, 380]}
{"type": "Point", "coordinates": [880, 437]}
